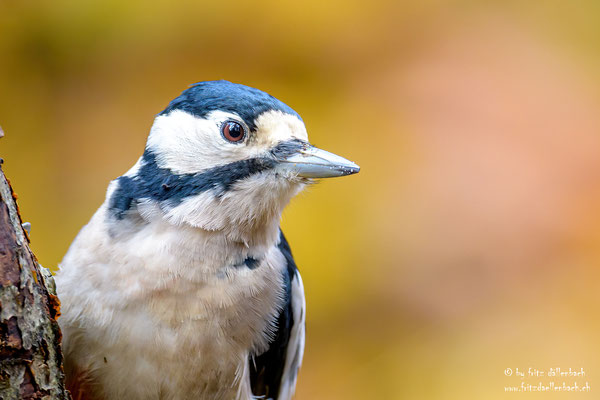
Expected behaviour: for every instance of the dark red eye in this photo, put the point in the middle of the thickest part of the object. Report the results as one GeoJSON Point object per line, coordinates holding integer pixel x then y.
{"type": "Point", "coordinates": [233, 131]}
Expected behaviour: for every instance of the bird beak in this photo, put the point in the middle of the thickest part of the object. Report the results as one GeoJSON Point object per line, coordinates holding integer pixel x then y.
{"type": "Point", "coordinates": [312, 162]}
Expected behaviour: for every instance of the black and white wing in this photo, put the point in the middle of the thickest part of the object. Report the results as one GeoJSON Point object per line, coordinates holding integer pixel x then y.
{"type": "Point", "coordinates": [273, 373]}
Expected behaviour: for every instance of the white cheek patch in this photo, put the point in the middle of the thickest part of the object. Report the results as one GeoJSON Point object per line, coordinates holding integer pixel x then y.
{"type": "Point", "coordinates": [186, 144]}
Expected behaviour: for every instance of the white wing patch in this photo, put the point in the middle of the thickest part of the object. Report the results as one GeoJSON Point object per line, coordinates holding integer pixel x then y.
{"type": "Point", "coordinates": [295, 349]}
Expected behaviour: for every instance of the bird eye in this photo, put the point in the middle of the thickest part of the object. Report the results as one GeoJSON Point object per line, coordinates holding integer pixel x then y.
{"type": "Point", "coordinates": [233, 131]}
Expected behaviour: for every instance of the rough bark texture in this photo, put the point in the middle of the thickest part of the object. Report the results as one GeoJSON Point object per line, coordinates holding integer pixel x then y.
{"type": "Point", "coordinates": [30, 354]}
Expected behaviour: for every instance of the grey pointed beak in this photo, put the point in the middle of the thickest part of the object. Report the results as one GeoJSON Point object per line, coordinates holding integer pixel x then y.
{"type": "Point", "coordinates": [312, 162]}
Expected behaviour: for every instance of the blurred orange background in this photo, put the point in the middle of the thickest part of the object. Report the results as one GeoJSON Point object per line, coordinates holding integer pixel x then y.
{"type": "Point", "coordinates": [468, 243]}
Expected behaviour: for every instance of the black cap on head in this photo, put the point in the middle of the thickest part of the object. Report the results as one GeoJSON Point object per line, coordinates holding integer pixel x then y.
{"type": "Point", "coordinates": [204, 97]}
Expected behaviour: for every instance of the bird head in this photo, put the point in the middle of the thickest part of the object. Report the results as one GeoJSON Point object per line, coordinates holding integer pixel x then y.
{"type": "Point", "coordinates": [223, 157]}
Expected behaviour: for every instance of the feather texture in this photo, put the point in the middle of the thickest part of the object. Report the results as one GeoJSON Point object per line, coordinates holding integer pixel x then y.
{"type": "Point", "coordinates": [273, 373]}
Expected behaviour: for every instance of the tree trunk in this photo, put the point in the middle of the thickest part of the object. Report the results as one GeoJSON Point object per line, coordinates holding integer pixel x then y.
{"type": "Point", "coordinates": [31, 362]}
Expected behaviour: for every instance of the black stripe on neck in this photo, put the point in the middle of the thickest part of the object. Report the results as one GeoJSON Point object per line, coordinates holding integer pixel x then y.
{"type": "Point", "coordinates": [161, 184]}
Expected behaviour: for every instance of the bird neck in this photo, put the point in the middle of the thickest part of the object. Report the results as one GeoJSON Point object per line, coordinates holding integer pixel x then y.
{"type": "Point", "coordinates": [249, 213]}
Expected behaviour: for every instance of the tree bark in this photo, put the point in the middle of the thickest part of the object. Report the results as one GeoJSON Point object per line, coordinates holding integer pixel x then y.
{"type": "Point", "coordinates": [31, 362]}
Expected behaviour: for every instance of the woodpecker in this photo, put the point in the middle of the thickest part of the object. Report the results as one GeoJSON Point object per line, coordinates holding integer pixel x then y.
{"type": "Point", "coordinates": [182, 285]}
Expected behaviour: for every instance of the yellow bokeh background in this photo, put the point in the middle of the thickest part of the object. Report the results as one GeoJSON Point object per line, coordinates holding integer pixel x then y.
{"type": "Point", "coordinates": [468, 243]}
